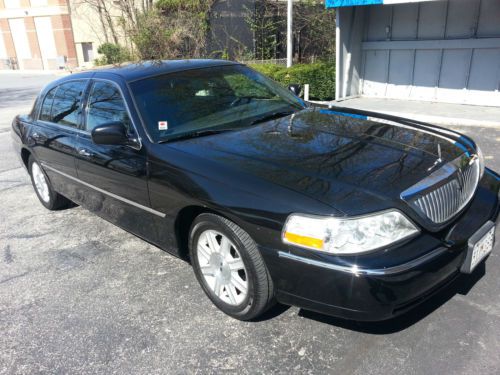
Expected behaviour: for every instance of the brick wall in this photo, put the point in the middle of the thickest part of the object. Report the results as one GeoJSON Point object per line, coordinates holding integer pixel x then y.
{"type": "Point", "coordinates": [63, 38]}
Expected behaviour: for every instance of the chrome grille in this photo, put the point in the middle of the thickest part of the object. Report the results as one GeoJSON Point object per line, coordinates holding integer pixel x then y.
{"type": "Point", "coordinates": [447, 191]}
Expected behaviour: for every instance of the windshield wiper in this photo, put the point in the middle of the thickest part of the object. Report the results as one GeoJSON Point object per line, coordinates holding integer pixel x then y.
{"type": "Point", "coordinates": [195, 134]}
{"type": "Point", "coordinates": [201, 133]}
{"type": "Point", "coordinates": [271, 116]}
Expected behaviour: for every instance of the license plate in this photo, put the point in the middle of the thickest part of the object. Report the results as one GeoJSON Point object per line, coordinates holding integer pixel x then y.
{"type": "Point", "coordinates": [480, 245]}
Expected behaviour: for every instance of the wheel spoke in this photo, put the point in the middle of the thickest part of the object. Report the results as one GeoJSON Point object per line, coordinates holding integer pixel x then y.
{"type": "Point", "coordinates": [212, 242]}
{"type": "Point", "coordinates": [236, 264]}
{"type": "Point", "coordinates": [217, 287]}
{"type": "Point", "coordinates": [231, 293]}
{"type": "Point", "coordinates": [207, 270]}
{"type": "Point", "coordinates": [225, 247]}
{"type": "Point", "coordinates": [238, 283]}
{"type": "Point", "coordinates": [204, 250]}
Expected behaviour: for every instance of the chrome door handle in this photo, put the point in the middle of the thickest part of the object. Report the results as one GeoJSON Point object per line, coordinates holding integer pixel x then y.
{"type": "Point", "coordinates": [36, 136]}
{"type": "Point", "coordinates": [84, 152]}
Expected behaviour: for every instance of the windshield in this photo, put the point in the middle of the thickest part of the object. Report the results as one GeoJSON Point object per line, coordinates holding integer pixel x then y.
{"type": "Point", "coordinates": [211, 99]}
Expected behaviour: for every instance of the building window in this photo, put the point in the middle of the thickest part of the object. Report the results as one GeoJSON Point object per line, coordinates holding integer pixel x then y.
{"type": "Point", "coordinates": [9, 4]}
{"type": "Point", "coordinates": [38, 3]}
{"type": "Point", "coordinates": [88, 52]}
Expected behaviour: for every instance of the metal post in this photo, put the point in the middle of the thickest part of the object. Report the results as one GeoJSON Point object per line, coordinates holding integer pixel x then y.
{"type": "Point", "coordinates": [306, 92]}
{"type": "Point", "coordinates": [289, 34]}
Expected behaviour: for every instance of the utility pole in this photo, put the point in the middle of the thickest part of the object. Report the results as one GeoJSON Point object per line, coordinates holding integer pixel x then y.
{"type": "Point", "coordinates": [289, 34]}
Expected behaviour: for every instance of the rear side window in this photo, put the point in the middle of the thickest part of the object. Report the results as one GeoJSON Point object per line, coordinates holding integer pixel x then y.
{"type": "Point", "coordinates": [66, 103]}
{"type": "Point", "coordinates": [105, 105]}
{"type": "Point", "coordinates": [47, 105]}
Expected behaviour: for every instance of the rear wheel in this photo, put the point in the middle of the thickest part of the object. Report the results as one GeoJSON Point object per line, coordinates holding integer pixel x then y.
{"type": "Point", "coordinates": [44, 191]}
{"type": "Point", "coordinates": [229, 267]}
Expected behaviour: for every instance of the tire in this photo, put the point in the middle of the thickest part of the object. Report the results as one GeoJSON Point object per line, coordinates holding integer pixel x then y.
{"type": "Point", "coordinates": [43, 189]}
{"type": "Point", "coordinates": [225, 266]}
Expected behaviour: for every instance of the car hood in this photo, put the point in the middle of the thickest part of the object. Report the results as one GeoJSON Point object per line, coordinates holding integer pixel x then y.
{"type": "Point", "coordinates": [351, 163]}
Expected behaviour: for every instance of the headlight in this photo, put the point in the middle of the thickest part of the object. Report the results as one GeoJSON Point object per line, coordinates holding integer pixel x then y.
{"type": "Point", "coordinates": [347, 235]}
{"type": "Point", "coordinates": [480, 156]}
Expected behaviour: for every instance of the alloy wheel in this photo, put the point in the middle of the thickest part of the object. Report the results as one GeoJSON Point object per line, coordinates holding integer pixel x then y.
{"type": "Point", "coordinates": [40, 182]}
{"type": "Point", "coordinates": [222, 267]}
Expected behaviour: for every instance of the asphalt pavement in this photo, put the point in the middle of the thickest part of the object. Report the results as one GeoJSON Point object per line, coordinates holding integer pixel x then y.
{"type": "Point", "coordinates": [79, 295]}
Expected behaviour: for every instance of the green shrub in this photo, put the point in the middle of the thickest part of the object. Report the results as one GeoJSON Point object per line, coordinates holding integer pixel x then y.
{"type": "Point", "coordinates": [319, 76]}
{"type": "Point", "coordinates": [112, 54]}
{"type": "Point", "coordinates": [175, 5]}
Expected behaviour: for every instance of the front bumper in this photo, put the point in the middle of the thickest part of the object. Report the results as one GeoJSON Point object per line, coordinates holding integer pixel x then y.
{"type": "Point", "coordinates": [386, 283]}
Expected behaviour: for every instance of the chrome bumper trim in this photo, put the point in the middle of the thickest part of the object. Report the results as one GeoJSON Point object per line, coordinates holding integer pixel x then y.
{"type": "Point", "coordinates": [132, 203]}
{"type": "Point", "coordinates": [354, 270]}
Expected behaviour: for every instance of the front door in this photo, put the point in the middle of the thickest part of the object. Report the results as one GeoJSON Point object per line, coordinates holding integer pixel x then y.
{"type": "Point", "coordinates": [113, 177]}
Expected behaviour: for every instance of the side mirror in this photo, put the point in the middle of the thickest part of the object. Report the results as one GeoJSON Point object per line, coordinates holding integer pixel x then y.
{"type": "Point", "coordinates": [112, 133]}
{"type": "Point", "coordinates": [295, 88]}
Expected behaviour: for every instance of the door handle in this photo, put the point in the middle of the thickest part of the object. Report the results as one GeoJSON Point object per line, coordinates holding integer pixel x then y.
{"type": "Point", "coordinates": [85, 153]}
{"type": "Point", "coordinates": [37, 137]}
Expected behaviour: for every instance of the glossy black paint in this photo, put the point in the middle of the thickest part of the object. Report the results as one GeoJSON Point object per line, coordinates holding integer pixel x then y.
{"type": "Point", "coordinates": [318, 161]}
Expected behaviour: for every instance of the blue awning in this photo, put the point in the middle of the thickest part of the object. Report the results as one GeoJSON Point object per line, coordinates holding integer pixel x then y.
{"type": "Point", "coordinates": [349, 3]}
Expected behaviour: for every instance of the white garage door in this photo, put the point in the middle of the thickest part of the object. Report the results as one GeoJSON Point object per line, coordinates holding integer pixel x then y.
{"type": "Point", "coordinates": [447, 51]}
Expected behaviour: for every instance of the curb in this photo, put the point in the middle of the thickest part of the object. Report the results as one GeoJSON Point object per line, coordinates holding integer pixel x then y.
{"type": "Point", "coordinates": [436, 120]}
{"type": "Point", "coordinates": [450, 121]}
{"type": "Point", "coordinates": [34, 72]}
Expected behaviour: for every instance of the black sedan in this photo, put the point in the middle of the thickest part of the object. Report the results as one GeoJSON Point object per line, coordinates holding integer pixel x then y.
{"type": "Point", "coordinates": [349, 213]}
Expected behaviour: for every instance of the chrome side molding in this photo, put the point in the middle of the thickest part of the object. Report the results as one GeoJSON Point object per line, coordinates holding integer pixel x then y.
{"type": "Point", "coordinates": [128, 201]}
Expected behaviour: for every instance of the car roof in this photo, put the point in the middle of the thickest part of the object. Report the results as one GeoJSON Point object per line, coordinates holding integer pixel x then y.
{"type": "Point", "coordinates": [135, 71]}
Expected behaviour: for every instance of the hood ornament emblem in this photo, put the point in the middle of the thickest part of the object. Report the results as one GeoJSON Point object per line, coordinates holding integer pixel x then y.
{"type": "Point", "coordinates": [438, 161]}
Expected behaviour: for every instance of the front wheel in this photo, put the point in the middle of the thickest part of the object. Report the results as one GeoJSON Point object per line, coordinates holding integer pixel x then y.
{"type": "Point", "coordinates": [229, 267]}
{"type": "Point", "coordinates": [44, 191]}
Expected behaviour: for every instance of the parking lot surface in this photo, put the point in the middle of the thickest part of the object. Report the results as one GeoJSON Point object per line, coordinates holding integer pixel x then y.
{"type": "Point", "coordinates": [79, 295]}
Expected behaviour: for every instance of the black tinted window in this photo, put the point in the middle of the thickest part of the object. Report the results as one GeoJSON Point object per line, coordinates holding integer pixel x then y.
{"type": "Point", "coordinates": [106, 105]}
{"type": "Point", "coordinates": [47, 105]}
{"type": "Point", "coordinates": [177, 104]}
{"type": "Point", "coordinates": [66, 106]}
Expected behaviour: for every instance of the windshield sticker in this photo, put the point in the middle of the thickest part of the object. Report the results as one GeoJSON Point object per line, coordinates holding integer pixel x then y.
{"type": "Point", "coordinates": [162, 125]}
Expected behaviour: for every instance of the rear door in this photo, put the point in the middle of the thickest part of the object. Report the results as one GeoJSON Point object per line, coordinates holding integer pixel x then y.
{"type": "Point", "coordinates": [114, 178]}
{"type": "Point", "coordinates": [53, 139]}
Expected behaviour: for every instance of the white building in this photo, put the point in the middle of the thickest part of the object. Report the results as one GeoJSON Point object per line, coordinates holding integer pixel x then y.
{"type": "Point", "coordinates": [444, 51]}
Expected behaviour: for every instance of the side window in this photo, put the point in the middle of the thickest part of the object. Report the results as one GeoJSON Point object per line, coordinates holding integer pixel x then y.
{"type": "Point", "coordinates": [105, 104]}
{"type": "Point", "coordinates": [47, 105]}
{"type": "Point", "coordinates": [66, 106]}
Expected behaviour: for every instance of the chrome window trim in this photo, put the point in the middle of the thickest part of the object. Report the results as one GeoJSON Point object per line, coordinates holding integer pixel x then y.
{"type": "Point", "coordinates": [59, 126]}
{"type": "Point", "coordinates": [354, 270]}
{"type": "Point", "coordinates": [127, 108]}
{"type": "Point", "coordinates": [120, 198]}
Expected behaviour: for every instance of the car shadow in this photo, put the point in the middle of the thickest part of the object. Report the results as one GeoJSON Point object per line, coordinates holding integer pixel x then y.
{"type": "Point", "coordinates": [461, 285]}
{"type": "Point", "coordinates": [272, 313]}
